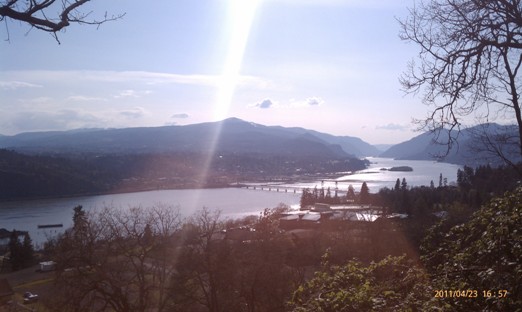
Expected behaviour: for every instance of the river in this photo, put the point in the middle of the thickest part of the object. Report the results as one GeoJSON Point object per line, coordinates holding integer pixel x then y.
{"type": "Point", "coordinates": [233, 202]}
{"type": "Point", "coordinates": [423, 173]}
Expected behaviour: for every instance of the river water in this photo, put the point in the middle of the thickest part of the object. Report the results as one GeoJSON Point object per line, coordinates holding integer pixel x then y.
{"type": "Point", "coordinates": [423, 173]}
{"type": "Point", "coordinates": [233, 202]}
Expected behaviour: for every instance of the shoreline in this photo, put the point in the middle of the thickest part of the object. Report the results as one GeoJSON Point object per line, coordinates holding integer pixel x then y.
{"type": "Point", "coordinates": [195, 186]}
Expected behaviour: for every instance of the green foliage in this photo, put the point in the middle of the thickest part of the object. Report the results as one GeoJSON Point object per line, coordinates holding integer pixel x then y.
{"type": "Point", "coordinates": [392, 284]}
{"type": "Point", "coordinates": [483, 254]}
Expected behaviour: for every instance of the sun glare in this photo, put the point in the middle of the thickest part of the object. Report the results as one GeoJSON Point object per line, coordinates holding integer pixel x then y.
{"type": "Point", "coordinates": [241, 14]}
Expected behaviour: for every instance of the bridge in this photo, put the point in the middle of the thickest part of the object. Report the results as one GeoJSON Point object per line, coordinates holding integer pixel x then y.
{"type": "Point", "coordinates": [287, 189]}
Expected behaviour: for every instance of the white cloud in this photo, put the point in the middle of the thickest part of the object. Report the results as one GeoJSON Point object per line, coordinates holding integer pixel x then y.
{"type": "Point", "coordinates": [12, 85]}
{"type": "Point", "coordinates": [311, 101]}
{"type": "Point", "coordinates": [83, 98]}
{"type": "Point", "coordinates": [127, 94]}
{"type": "Point", "coordinates": [266, 103]}
{"type": "Point", "coordinates": [44, 121]}
{"type": "Point", "coordinates": [180, 116]}
{"type": "Point", "coordinates": [134, 113]}
{"type": "Point", "coordinates": [394, 127]}
{"type": "Point", "coordinates": [142, 77]}
{"type": "Point", "coordinates": [292, 103]}
{"type": "Point", "coordinates": [314, 101]}
{"type": "Point", "coordinates": [130, 93]}
{"type": "Point", "coordinates": [37, 100]}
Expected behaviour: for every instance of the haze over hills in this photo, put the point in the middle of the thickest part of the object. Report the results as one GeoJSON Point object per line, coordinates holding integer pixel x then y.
{"type": "Point", "coordinates": [228, 136]}
{"type": "Point", "coordinates": [469, 150]}
{"type": "Point", "coordinates": [214, 154]}
{"type": "Point", "coordinates": [236, 136]}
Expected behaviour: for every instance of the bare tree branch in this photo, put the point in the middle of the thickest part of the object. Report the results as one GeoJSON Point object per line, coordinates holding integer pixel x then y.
{"type": "Point", "coordinates": [36, 12]}
{"type": "Point", "coordinates": [469, 60]}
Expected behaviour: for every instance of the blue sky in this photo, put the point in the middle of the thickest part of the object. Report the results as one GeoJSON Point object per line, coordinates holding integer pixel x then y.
{"type": "Point", "coordinates": [326, 65]}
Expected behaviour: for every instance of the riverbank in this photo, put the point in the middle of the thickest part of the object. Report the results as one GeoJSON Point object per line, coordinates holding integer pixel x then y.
{"type": "Point", "coordinates": [161, 185]}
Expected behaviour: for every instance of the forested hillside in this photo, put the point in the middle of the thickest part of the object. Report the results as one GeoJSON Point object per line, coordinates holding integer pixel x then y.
{"type": "Point", "coordinates": [28, 176]}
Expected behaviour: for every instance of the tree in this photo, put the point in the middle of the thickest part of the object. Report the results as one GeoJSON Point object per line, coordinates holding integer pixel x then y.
{"type": "Point", "coordinates": [21, 253]}
{"type": "Point", "coordinates": [483, 254]}
{"type": "Point", "coordinates": [79, 217]}
{"type": "Point", "coordinates": [218, 274]}
{"type": "Point", "coordinates": [364, 195]}
{"type": "Point", "coordinates": [15, 248]}
{"type": "Point", "coordinates": [392, 284]}
{"type": "Point", "coordinates": [118, 260]}
{"type": "Point", "coordinates": [27, 251]}
{"type": "Point", "coordinates": [470, 59]}
{"type": "Point", "coordinates": [306, 198]}
{"type": "Point", "coordinates": [404, 184]}
{"type": "Point", "coordinates": [39, 14]}
{"type": "Point", "coordinates": [203, 264]}
{"type": "Point", "coordinates": [350, 194]}
{"type": "Point", "coordinates": [397, 186]}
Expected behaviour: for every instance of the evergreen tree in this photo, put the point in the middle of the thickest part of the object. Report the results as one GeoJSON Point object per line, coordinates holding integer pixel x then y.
{"type": "Point", "coordinates": [404, 184]}
{"type": "Point", "coordinates": [79, 217]}
{"type": "Point", "coordinates": [302, 202]}
{"type": "Point", "coordinates": [22, 254]}
{"type": "Point", "coordinates": [15, 248]}
{"type": "Point", "coordinates": [364, 195]}
{"type": "Point", "coordinates": [328, 196]}
{"type": "Point", "coordinates": [27, 251]}
{"type": "Point", "coordinates": [315, 195]}
{"type": "Point", "coordinates": [350, 195]}
{"type": "Point", "coordinates": [397, 184]}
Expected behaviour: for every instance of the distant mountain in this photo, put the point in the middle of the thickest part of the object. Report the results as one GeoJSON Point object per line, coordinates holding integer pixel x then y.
{"type": "Point", "coordinates": [382, 147]}
{"type": "Point", "coordinates": [469, 149]}
{"type": "Point", "coordinates": [228, 136]}
{"type": "Point", "coordinates": [415, 148]}
{"type": "Point", "coordinates": [352, 145]}
{"type": "Point", "coordinates": [213, 154]}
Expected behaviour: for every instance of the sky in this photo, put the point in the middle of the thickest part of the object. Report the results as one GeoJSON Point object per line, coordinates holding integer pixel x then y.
{"type": "Point", "coordinates": [328, 65]}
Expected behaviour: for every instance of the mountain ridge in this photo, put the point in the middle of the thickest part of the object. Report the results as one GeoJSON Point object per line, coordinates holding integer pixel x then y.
{"type": "Point", "coordinates": [235, 135]}
{"type": "Point", "coordinates": [469, 149]}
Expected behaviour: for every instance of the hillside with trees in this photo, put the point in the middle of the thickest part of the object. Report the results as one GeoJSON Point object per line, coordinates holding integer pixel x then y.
{"type": "Point", "coordinates": [32, 176]}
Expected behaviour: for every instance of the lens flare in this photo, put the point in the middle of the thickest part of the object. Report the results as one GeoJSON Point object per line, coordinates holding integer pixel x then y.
{"type": "Point", "coordinates": [240, 17]}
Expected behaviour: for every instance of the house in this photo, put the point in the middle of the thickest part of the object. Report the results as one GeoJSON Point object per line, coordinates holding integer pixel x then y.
{"type": "Point", "coordinates": [47, 266]}
{"type": "Point", "coordinates": [320, 207]}
{"type": "Point", "coordinates": [6, 292]}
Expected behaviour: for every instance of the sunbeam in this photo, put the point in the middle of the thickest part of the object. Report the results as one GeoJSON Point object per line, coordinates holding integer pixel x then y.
{"type": "Point", "coordinates": [241, 14]}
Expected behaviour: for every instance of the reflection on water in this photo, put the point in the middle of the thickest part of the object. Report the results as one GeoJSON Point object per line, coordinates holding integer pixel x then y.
{"type": "Point", "coordinates": [423, 173]}
{"type": "Point", "coordinates": [233, 202]}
